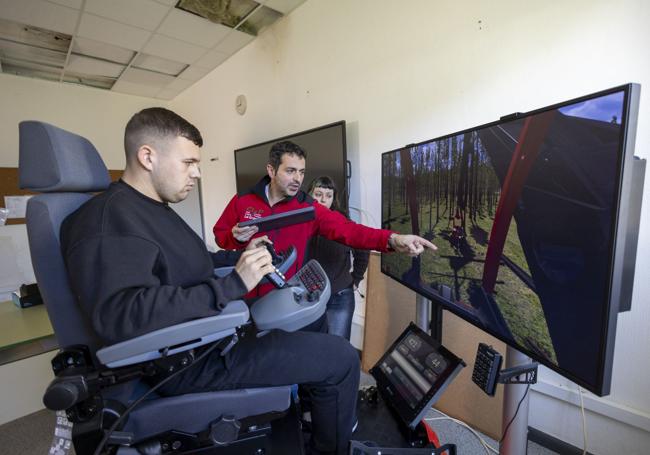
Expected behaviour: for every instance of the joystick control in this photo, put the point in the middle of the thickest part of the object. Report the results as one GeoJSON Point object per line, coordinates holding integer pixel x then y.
{"type": "Point", "coordinates": [275, 258]}
{"type": "Point", "coordinates": [313, 296]}
{"type": "Point", "coordinates": [276, 277]}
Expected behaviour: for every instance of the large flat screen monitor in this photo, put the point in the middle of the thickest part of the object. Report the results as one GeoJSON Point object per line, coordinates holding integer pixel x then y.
{"type": "Point", "coordinates": [534, 218]}
{"type": "Point", "coordinates": [326, 155]}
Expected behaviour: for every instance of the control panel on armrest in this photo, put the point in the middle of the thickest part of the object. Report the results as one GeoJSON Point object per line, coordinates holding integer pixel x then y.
{"type": "Point", "coordinates": [302, 302]}
{"type": "Point", "coordinates": [177, 338]}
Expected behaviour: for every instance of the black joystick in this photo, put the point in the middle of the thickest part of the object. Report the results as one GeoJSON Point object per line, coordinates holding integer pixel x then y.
{"type": "Point", "coordinates": [276, 278]}
{"type": "Point", "coordinates": [313, 296]}
{"type": "Point", "coordinates": [275, 257]}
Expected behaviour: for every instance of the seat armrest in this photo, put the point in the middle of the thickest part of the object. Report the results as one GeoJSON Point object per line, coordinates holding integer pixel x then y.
{"type": "Point", "coordinates": [177, 338]}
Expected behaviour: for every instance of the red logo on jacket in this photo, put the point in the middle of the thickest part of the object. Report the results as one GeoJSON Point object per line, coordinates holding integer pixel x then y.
{"type": "Point", "coordinates": [251, 213]}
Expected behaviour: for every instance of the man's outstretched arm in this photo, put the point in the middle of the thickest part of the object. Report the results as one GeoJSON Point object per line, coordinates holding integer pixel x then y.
{"type": "Point", "coordinates": [335, 226]}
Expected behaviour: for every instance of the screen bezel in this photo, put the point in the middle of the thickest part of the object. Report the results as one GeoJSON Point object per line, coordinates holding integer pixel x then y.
{"type": "Point", "coordinates": [345, 191]}
{"type": "Point", "coordinates": [616, 248]}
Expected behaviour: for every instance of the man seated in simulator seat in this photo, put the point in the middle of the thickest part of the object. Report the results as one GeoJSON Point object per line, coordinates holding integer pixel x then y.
{"type": "Point", "coordinates": [136, 266]}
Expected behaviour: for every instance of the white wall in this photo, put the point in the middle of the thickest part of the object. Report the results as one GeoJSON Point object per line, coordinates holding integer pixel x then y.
{"type": "Point", "coordinates": [405, 72]}
{"type": "Point", "coordinates": [98, 115]}
{"type": "Point", "coordinates": [22, 385]}
{"type": "Point", "coordinates": [16, 264]}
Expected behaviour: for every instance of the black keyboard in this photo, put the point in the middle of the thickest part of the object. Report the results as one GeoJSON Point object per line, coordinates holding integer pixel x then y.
{"type": "Point", "coordinates": [311, 277]}
{"type": "Point", "coordinates": [486, 368]}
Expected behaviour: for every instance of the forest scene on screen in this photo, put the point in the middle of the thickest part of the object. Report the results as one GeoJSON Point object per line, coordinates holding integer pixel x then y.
{"type": "Point", "coordinates": [522, 215]}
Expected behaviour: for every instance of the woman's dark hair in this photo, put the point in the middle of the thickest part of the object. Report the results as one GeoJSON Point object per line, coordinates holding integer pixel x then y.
{"type": "Point", "coordinates": [155, 126]}
{"type": "Point", "coordinates": [326, 182]}
{"type": "Point", "coordinates": [285, 147]}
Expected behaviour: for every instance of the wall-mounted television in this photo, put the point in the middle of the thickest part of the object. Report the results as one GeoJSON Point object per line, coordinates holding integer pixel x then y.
{"type": "Point", "coordinates": [536, 221]}
{"type": "Point", "coordinates": [325, 147]}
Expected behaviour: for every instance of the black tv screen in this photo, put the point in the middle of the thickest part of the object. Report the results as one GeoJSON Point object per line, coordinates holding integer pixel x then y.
{"type": "Point", "coordinates": [531, 215]}
{"type": "Point", "coordinates": [326, 155]}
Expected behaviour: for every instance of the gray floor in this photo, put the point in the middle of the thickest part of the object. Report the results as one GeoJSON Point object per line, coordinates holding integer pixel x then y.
{"type": "Point", "coordinates": [33, 434]}
{"type": "Point", "coordinates": [466, 442]}
{"type": "Point", "coordinates": [451, 432]}
{"type": "Point", "coordinates": [29, 435]}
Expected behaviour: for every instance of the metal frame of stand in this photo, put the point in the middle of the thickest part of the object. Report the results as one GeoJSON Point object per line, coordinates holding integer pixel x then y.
{"type": "Point", "coordinates": [516, 440]}
{"type": "Point", "coordinates": [422, 312]}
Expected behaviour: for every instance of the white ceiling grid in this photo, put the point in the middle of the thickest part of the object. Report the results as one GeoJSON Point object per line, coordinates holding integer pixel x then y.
{"type": "Point", "coordinates": [141, 47]}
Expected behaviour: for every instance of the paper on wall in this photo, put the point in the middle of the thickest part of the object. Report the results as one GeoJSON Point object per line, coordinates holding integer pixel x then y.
{"type": "Point", "coordinates": [17, 206]}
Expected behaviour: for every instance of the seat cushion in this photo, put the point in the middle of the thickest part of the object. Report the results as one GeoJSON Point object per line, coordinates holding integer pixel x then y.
{"type": "Point", "coordinates": [193, 412]}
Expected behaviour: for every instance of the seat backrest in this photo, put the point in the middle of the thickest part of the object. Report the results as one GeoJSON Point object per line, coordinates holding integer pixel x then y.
{"type": "Point", "coordinates": [68, 168]}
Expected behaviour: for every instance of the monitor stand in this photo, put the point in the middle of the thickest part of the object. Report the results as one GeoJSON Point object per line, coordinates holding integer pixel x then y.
{"type": "Point", "coordinates": [422, 312]}
{"type": "Point", "coordinates": [428, 317]}
{"type": "Point", "coordinates": [516, 441]}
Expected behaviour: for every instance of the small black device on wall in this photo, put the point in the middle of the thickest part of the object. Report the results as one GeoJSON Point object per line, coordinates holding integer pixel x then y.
{"type": "Point", "coordinates": [486, 368]}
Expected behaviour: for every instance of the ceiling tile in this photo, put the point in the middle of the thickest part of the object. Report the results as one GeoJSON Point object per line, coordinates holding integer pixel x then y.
{"type": "Point", "coordinates": [161, 65]}
{"type": "Point", "coordinates": [135, 89]}
{"type": "Point", "coordinates": [284, 6]}
{"type": "Point", "coordinates": [229, 13]}
{"type": "Point", "coordinates": [105, 51]}
{"type": "Point", "coordinates": [233, 42]}
{"type": "Point", "coordinates": [16, 32]}
{"type": "Point", "coordinates": [172, 49]}
{"type": "Point", "coordinates": [105, 30]}
{"type": "Point", "coordinates": [144, 77]}
{"type": "Point", "coordinates": [178, 84]}
{"type": "Point", "coordinates": [259, 20]}
{"type": "Point", "coordinates": [193, 29]}
{"type": "Point", "coordinates": [93, 66]}
{"type": "Point", "coordinates": [31, 70]}
{"type": "Point", "coordinates": [41, 14]}
{"type": "Point", "coordinates": [76, 4]}
{"type": "Point", "coordinates": [145, 14]}
{"type": "Point", "coordinates": [90, 80]}
{"type": "Point", "coordinates": [168, 2]}
{"type": "Point", "coordinates": [212, 59]}
{"type": "Point", "coordinates": [194, 73]}
{"type": "Point", "coordinates": [31, 65]}
{"type": "Point", "coordinates": [23, 52]}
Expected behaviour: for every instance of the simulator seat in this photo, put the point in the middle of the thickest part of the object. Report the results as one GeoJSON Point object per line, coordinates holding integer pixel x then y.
{"type": "Point", "coordinates": [95, 384]}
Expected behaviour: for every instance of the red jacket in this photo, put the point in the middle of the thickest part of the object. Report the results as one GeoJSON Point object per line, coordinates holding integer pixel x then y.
{"type": "Point", "coordinates": [328, 223]}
